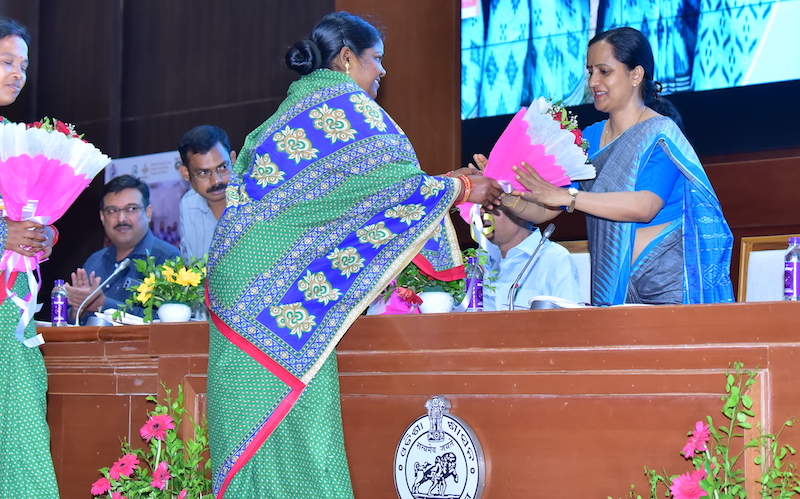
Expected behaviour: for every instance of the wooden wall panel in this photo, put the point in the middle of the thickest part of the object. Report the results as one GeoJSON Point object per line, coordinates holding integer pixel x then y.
{"type": "Point", "coordinates": [220, 64]}
{"type": "Point", "coordinates": [756, 191]}
{"type": "Point", "coordinates": [421, 90]}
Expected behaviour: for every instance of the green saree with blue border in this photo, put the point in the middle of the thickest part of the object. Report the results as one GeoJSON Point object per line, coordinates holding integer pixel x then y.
{"type": "Point", "coordinates": [326, 205]}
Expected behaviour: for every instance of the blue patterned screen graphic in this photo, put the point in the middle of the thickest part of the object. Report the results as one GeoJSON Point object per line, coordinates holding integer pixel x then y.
{"type": "Point", "coordinates": [513, 51]}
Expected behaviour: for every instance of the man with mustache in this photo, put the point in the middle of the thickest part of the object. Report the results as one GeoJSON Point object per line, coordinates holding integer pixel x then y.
{"type": "Point", "coordinates": [207, 163]}
{"type": "Point", "coordinates": [125, 211]}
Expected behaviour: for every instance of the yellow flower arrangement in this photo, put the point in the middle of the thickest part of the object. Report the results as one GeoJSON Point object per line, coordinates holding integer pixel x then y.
{"type": "Point", "coordinates": [174, 281]}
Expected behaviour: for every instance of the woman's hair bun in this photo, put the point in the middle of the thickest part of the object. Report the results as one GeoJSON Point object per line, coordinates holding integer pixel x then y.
{"type": "Point", "coordinates": [304, 57]}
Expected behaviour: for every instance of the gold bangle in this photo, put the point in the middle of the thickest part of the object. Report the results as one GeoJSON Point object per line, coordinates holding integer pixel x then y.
{"type": "Point", "coordinates": [516, 202]}
{"type": "Point", "coordinates": [466, 182]}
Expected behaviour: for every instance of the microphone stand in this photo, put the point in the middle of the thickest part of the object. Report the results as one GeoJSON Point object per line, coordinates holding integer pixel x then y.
{"type": "Point", "coordinates": [122, 266]}
{"type": "Point", "coordinates": [512, 293]}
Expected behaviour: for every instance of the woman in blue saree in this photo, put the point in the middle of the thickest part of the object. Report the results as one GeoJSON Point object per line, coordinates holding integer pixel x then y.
{"type": "Point", "coordinates": [655, 227]}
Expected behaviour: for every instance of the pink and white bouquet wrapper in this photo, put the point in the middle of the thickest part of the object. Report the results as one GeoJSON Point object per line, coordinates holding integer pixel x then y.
{"type": "Point", "coordinates": [41, 174]}
{"type": "Point", "coordinates": [534, 137]}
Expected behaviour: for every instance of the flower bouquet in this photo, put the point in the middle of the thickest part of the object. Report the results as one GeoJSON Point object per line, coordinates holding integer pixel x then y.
{"type": "Point", "coordinates": [169, 468]}
{"type": "Point", "coordinates": [715, 452]}
{"type": "Point", "coordinates": [44, 166]}
{"type": "Point", "coordinates": [545, 136]}
{"type": "Point", "coordinates": [174, 281]}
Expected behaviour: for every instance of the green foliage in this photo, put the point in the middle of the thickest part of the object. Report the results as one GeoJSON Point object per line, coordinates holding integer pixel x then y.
{"type": "Point", "coordinates": [723, 476]}
{"type": "Point", "coordinates": [417, 281]}
{"type": "Point", "coordinates": [187, 460]}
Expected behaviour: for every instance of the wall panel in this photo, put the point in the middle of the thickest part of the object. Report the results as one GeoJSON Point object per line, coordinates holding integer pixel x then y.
{"type": "Point", "coordinates": [423, 68]}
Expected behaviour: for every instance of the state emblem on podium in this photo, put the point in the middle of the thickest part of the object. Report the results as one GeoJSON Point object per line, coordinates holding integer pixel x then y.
{"type": "Point", "coordinates": [439, 457]}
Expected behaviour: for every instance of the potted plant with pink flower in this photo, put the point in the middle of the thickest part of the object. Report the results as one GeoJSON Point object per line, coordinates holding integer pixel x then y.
{"type": "Point", "coordinates": [168, 468]}
{"type": "Point", "coordinates": [716, 453]}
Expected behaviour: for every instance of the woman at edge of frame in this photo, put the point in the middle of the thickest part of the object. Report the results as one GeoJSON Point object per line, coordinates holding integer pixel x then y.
{"type": "Point", "coordinates": [26, 466]}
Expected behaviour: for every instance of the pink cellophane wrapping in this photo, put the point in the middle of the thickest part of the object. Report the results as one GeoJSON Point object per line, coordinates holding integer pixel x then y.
{"type": "Point", "coordinates": [535, 138]}
{"type": "Point", "coordinates": [45, 172]}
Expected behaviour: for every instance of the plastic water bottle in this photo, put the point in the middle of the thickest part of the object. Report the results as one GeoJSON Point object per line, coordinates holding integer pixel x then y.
{"type": "Point", "coordinates": [474, 275]}
{"type": "Point", "coordinates": [58, 304]}
{"type": "Point", "coordinates": [791, 271]}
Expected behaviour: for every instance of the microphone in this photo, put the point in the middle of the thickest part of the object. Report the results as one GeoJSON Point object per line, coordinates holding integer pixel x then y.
{"type": "Point", "coordinates": [512, 293]}
{"type": "Point", "coordinates": [122, 266]}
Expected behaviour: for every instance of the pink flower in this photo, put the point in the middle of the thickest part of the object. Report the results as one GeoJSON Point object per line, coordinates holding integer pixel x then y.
{"type": "Point", "coordinates": [697, 442]}
{"type": "Point", "coordinates": [156, 427]}
{"type": "Point", "coordinates": [182, 495]}
{"type": "Point", "coordinates": [117, 495]}
{"type": "Point", "coordinates": [160, 476]}
{"type": "Point", "coordinates": [687, 486]}
{"type": "Point", "coordinates": [124, 466]}
{"type": "Point", "coordinates": [101, 487]}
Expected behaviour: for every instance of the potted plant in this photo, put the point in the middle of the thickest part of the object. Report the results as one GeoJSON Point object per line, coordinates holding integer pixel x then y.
{"type": "Point", "coordinates": [173, 285]}
{"type": "Point", "coordinates": [417, 288]}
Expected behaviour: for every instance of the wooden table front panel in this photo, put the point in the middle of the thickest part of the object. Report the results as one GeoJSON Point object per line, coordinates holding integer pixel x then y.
{"type": "Point", "coordinates": [566, 403]}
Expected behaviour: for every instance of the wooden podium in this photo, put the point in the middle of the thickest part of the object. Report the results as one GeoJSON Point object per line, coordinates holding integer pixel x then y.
{"type": "Point", "coordinates": [565, 403]}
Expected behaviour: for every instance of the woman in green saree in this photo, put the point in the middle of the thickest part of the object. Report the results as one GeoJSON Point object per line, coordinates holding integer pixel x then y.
{"type": "Point", "coordinates": [326, 205]}
{"type": "Point", "coordinates": [26, 467]}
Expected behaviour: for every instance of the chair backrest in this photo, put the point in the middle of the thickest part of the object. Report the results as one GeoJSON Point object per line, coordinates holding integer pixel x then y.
{"type": "Point", "coordinates": [580, 255]}
{"type": "Point", "coordinates": [761, 267]}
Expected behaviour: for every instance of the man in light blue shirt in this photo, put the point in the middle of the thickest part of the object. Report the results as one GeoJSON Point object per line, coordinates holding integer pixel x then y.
{"type": "Point", "coordinates": [552, 271]}
{"type": "Point", "coordinates": [207, 163]}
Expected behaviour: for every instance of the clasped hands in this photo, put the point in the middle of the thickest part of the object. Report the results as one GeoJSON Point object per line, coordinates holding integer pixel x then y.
{"type": "Point", "coordinates": [28, 238]}
{"type": "Point", "coordinates": [485, 191]}
{"type": "Point", "coordinates": [82, 285]}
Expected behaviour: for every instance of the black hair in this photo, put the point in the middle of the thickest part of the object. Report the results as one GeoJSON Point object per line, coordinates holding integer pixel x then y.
{"type": "Point", "coordinates": [632, 49]}
{"type": "Point", "coordinates": [10, 27]}
{"type": "Point", "coordinates": [118, 184]}
{"type": "Point", "coordinates": [334, 32]}
{"type": "Point", "coordinates": [200, 140]}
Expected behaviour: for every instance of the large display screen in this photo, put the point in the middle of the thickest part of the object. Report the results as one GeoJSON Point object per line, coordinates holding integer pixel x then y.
{"type": "Point", "coordinates": [513, 51]}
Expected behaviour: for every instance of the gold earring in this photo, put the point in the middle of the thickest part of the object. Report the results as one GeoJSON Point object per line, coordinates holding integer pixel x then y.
{"type": "Point", "coordinates": [635, 84]}
{"type": "Point", "coordinates": [347, 68]}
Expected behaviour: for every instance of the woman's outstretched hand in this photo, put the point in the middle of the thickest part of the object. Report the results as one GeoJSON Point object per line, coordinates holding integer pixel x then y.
{"type": "Point", "coordinates": [485, 191]}
{"type": "Point", "coordinates": [540, 190]}
{"type": "Point", "coordinates": [464, 170]}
